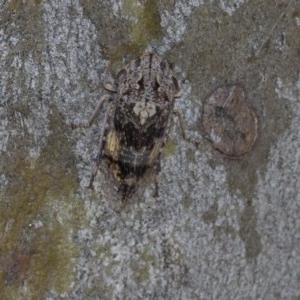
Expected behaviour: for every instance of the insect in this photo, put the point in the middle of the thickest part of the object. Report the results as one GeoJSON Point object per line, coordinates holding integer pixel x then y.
{"type": "Point", "coordinates": [136, 124]}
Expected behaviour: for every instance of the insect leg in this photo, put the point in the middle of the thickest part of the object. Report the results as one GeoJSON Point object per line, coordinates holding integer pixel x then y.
{"type": "Point", "coordinates": [107, 85]}
{"type": "Point", "coordinates": [182, 128]}
{"type": "Point", "coordinates": [157, 169]}
{"type": "Point", "coordinates": [101, 145]}
{"type": "Point", "coordinates": [94, 115]}
{"type": "Point", "coordinates": [156, 187]}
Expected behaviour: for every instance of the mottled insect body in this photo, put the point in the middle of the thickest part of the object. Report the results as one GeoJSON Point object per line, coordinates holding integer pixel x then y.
{"type": "Point", "coordinates": [136, 124]}
{"type": "Point", "coordinates": [137, 121]}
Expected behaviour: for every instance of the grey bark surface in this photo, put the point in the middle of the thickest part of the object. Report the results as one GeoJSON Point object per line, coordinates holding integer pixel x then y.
{"type": "Point", "coordinates": [220, 228]}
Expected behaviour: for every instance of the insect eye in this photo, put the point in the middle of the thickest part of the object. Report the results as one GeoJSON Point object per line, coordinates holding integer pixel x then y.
{"type": "Point", "coordinates": [163, 65]}
{"type": "Point", "coordinates": [176, 84]}
{"type": "Point", "coordinates": [141, 83]}
{"type": "Point", "coordinates": [135, 86]}
{"type": "Point", "coordinates": [120, 76]}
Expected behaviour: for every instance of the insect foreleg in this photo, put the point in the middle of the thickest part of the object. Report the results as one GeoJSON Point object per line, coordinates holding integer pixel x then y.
{"type": "Point", "coordinates": [94, 115]}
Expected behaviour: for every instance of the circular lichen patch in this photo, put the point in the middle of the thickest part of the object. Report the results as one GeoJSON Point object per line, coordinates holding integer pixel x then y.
{"type": "Point", "coordinates": [228, 122]}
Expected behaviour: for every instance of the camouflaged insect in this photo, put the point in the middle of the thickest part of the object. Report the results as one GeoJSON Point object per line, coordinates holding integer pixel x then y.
{"type": "Point", "coordinates": [135, 125]}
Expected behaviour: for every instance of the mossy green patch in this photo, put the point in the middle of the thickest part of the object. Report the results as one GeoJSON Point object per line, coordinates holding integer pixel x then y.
{"type": "Point", "coordinates": [143, 27]}
{"type": "Point", "coordinates": [186, 202]}
{"type": "Point", "coordinates": [145, 21]}
{"type": "Point", "coordinates": [169, 148]}
{"type": "Point", "coordinates": [141, 271]}
{"type": "Point", "coordinates": [141, 266]}
{"type": "Point", "coordinates": [28, 29]}
{"type": "Point", "coordinates": [37, 216]}
{"type": "Point", "coordinates": [17, 4]}
{"type": "Point", "coordinates": [248, 232]}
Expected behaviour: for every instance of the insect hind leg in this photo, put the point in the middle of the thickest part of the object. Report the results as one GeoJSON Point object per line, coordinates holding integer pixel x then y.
{"type": "Point", "coordinates": [95, 170]}
{"type": "Point", "coordinates": [101, 146]}
{"type": "Point", "coordinates": [178, 114]}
